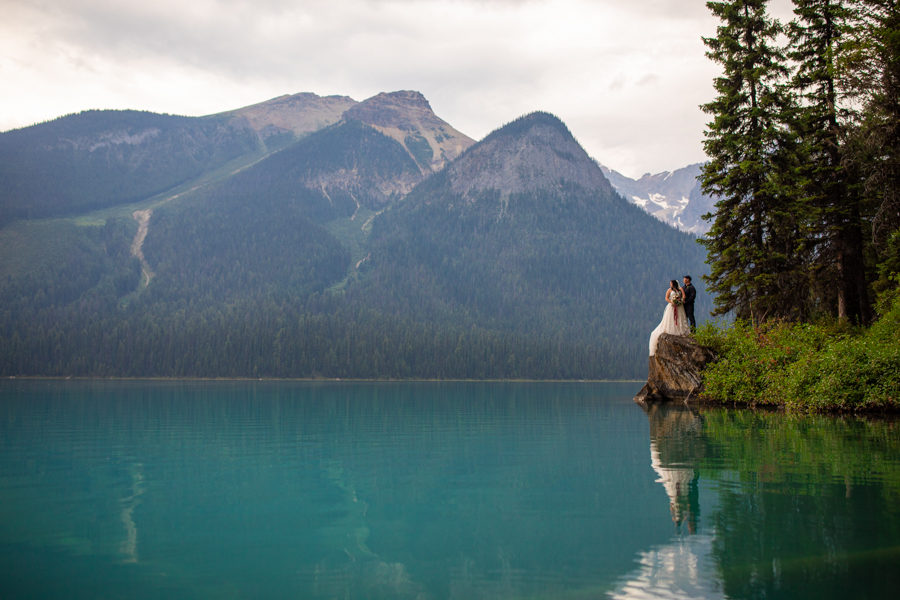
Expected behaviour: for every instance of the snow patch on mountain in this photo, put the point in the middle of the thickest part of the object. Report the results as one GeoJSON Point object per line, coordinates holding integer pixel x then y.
{"type": "Point", "coordinates": [672, 197]}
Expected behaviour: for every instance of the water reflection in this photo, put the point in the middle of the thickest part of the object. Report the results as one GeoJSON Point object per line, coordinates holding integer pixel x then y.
{"type": "Point", "coordinates": [407, 491]}
{"type": "Point", "coordinates": [129, 544]}
{"type": "Point", "coordinates": [434, 491]}
{"type": "Point", "coordinates": [796, 506]}
{"type": "Point", "coordinates": [681, 569]}
{"type": "Point", "coordinates": [673, 455]}
{"type": "Point", "coordinates": [684, 567]}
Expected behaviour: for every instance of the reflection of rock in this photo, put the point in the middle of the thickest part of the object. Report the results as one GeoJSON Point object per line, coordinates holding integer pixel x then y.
{"type": "Point", "coordinates": [684, 568]}
{"type": "Point", "coordinates": [675, 450]}
{"type": "Point", "coordinates": [675, 370]}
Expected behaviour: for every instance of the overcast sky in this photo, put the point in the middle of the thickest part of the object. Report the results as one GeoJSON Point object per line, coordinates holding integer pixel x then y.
{"type": "Point", "coordinates": [626, 76]}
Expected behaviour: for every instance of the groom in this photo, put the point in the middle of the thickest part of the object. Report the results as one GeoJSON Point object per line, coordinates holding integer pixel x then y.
{"type": "Point", "coordinates": [689, 294]}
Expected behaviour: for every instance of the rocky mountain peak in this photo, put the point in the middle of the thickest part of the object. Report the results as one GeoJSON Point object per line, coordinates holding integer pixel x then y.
{"type": "Point", "coordinates": [300, 113]}
{"type": "Point", "coordinates": [533, 152]}
{"type": "Point", "coordinates": [407, 117]}
{"type": "Point", "coordinates": [392, 110]}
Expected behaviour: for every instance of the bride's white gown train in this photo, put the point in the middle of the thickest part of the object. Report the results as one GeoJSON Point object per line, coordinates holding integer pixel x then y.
{"type": "Point", "coordinates": [668, 325]}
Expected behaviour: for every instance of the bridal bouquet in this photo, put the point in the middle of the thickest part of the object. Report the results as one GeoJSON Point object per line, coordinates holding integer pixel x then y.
{"type": "Point", "coordinates": [676, 298]}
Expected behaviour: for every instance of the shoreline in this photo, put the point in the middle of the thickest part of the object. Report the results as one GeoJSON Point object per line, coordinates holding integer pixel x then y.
{"type": "Point", "coordinates": [311, 379]}
{"type": "Point", "coordinates": [788, 410]}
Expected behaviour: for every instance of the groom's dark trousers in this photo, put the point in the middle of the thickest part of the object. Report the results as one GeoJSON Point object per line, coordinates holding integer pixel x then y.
{"type": "Point", "coordinates": [689, 294]}
{"type": "Point", "coordinates": [689, 311]}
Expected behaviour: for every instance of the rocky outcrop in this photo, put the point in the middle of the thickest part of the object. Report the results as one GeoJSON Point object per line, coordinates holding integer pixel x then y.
{"type": "Point", "coordinates": [533, 152]}
{"type": "Point", "coordinates": [675, 370]}
{"type": "Point", "coordinates": [406, 116]}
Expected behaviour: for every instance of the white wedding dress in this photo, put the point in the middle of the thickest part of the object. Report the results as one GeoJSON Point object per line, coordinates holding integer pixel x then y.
{"type": "Point", "coordinates": [674, 321]}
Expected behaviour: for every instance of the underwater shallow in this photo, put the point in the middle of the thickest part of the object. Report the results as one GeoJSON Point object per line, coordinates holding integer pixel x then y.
{"type": "Point", "coordinates": [168, 489]}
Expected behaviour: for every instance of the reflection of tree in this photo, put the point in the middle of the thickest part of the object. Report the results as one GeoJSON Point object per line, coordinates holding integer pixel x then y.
{"type": "Point", "coordinates": [774, 447]}
{"type": "Point", "coordinates": [771, 543]}
{"type": "Point", "coordinates": [808, 505]}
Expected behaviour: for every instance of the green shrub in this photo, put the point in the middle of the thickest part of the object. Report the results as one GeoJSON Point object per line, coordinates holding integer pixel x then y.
{"type": "Point", "coordinates": [822, 366]}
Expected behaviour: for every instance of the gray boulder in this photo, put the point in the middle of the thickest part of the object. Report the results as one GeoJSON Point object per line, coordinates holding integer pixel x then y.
{"type": "Point", "coordinates": [675, 370]}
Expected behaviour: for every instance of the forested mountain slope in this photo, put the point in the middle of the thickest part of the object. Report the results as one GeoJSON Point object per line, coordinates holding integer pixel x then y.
{"type": "Point", "coordinates": [96, 159]}
{"type": "Point", "coordinates": [518, 260]}
{"type": "Point", "coordinates": [523, 234]}
{"type": "Point", "coordinates": [259, 234]}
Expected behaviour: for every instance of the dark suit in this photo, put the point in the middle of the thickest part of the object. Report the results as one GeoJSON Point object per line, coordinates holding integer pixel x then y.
{"type": "Point", "coordinates": [689, 295]}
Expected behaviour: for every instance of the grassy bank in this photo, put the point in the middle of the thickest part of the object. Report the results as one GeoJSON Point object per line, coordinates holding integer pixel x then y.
{"type": "Point", "coordinates": [821, 366]}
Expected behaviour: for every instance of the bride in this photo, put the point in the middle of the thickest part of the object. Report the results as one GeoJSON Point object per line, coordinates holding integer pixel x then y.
{"type": "Point", "coordinates": [674, 320]}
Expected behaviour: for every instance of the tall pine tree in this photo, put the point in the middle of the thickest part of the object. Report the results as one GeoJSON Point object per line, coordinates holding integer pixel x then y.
{"type": "Point", "coordinates": [827, 181]}
{"type": "Point", "coordinates": [756, 243]}
{"type": "Point", "coordinates": [871, 68]}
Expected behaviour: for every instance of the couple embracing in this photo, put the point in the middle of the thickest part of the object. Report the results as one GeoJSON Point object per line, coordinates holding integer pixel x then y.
{"type": "Point", "coordinates": [678, 319]}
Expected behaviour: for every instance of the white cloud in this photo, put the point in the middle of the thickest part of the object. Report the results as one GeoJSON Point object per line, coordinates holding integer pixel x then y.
{"type": "Point", "coordinates": [627, 78]}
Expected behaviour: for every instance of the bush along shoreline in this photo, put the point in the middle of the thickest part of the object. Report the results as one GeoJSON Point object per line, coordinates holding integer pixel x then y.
{"type": "Point", "coordinates": [823, 366]}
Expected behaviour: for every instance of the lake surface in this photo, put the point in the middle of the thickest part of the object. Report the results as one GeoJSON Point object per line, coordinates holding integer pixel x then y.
{"type": "Point", "coordinates": [434, 491]}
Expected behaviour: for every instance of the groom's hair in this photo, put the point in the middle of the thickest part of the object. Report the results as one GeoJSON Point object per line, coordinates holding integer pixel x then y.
{"type": "Point", "coordinates": [688, 277]}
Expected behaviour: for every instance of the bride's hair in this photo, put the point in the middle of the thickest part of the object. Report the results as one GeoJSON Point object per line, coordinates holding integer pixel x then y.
{"type": "Point", "coordinates": [674, 284]}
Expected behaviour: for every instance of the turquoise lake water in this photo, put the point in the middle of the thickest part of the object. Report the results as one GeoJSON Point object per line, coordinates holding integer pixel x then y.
{"type": "Point", "coordinates": [434, 491]}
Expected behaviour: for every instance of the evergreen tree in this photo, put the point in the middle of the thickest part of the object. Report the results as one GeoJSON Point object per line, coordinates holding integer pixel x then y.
{"type": "Point", "coordinates": [826, 181]}
{"type": "Point", "coordinates": [755, 245]}
{"type": "Point", "coordinates": [871, 69]}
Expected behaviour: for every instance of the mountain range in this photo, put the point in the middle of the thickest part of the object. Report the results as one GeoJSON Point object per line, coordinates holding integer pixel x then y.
{"type": "Point", "coordinates": [672, 197]}
{"type": "Point", "coordinates": [312, 236]}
